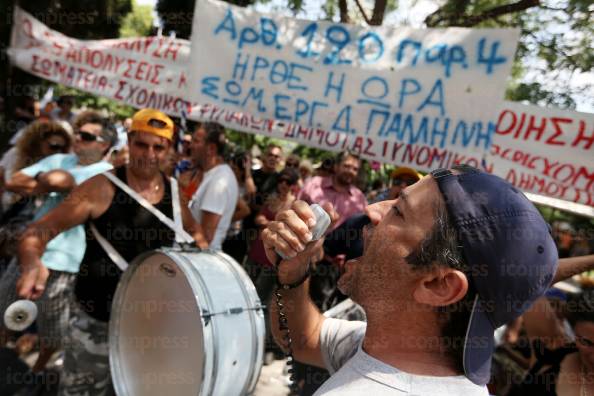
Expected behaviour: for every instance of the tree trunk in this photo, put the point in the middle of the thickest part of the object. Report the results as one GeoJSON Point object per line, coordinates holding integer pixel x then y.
{"type": "Point", "coordinates": [377, 18]}
{"type": "Point", "coordinates": [343, 8]}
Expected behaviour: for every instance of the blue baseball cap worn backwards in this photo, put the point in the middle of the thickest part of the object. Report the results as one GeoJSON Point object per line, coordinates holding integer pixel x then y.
{"type": "Point", "coordinates": [511, 256]}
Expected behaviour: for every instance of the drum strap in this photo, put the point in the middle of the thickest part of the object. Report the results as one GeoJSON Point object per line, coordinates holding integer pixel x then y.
{"type": "Point", "coordinates": [181, 236]}
{"type": "Point", "coordinates": [109, 249]}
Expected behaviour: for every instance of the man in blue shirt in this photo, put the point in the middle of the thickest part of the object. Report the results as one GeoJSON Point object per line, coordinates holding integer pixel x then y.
{"type": "Point", "coordinates": [52, 178]}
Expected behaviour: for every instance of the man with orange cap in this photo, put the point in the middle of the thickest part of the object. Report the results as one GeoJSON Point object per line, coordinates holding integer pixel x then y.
{"type": "Point", "coordinates": [400, 178]}
{"type": "Point", "coordinates": [109, 211]}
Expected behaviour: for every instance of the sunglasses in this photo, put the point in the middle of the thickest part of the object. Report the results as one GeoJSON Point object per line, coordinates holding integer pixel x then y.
{"type": "Point", "coordinates": [89, 137]}
{"type": "Point", "coordinates": [584, 341]}
{"type": "Point", "coordinates": [399, 181]}
{"type": "Point", "coordinates": [56, 147]}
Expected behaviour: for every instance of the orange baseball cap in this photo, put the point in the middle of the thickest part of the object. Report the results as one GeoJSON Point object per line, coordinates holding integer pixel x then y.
{"type": "Point", "coordinates": [403, 170]}
{"type": "Point", "coordinates": [153, 121]}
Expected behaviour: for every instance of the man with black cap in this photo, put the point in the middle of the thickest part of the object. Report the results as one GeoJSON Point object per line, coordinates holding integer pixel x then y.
{"type": "Point", "coordinates": [457, 255]}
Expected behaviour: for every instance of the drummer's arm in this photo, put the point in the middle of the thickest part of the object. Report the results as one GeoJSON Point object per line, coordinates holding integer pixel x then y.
{"type": "Point", "coordinates": [86, 201]}
{"type": "Point", "coordinates": [191, 226]}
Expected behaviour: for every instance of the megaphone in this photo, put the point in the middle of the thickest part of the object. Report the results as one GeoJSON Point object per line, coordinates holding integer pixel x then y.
{"type": "Point", "coordinates": [20, 314]}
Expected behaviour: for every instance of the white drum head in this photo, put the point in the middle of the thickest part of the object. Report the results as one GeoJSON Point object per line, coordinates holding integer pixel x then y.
{"type": "Point", "coordinates": [159, 347]}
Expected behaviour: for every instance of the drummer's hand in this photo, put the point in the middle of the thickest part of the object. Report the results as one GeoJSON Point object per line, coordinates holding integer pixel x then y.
{"type": "Point", "coordinates": [290, 235]}
{"type": "Point", "coordinates": [31, 284]}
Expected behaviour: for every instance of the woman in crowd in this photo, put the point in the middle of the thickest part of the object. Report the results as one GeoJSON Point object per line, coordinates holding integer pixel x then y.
{"type": "Point", "coordinates": [563, 363]}
{"type": "Point", "coordinates": [39, 140]}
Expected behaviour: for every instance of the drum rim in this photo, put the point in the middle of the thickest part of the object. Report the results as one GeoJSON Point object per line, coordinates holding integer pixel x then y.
{"type": "Point", "coordinates": [240, 274]}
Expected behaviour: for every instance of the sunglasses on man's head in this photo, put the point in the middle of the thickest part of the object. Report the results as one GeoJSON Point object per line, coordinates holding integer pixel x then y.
{"type": "Point", "coordinates": [88, 137]}
{"type": "Point", "coordinates": [399, 181]}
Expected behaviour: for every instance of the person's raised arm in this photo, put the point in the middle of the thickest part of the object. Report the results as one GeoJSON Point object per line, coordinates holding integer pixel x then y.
{"type": "Point", "coordinates": [571, 266]}
{"type": "Point", "coordinates": [53, 181]}
{"type": "Point", "coordinates": [86, 201]}
{"type": "Point", "coordinates": [250, 185]}
{"type": "Point", "coordinates": [290, 235]}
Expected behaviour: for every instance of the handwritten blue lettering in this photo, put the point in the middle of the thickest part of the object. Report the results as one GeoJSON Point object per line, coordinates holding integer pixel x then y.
{"type": "Point", "coordinates": [339, 37]}
{"type": "Point", "coordinates": [279, 72]}
{"type": "Point", "coordinates": [331, 86]}
{"type": "Point", "coordinates": [240, 67]}
{"type": "Point", "coordinates": [343, 120]}
{"type": "Point", "coordinates": [492, 59]}
{"type": "Point", "coordinates": [269, 31]}
{"type": "Point", "coordinates": [309, 33]}
{"type": "Point", "coordinates": [293, 77]}
{"type": "Point", "coordinates": [209, 86]}
{"type": "Point", "coordinates": [233, 89]}
{"type": "Point", "coordinates": [228, 24]}
{"type": "Point", "coordinates": [442, 133]}
{"type": "Point", "coordinates": [280, 110]}
{"type": "Point", "coordinates": [370, 121]}
{"type": "Point", "coordinates": [258, 96]}
{"type": "Point", "coordinates": [379, 44]}
{"type": "Point", "coordinates": [402, 47]}
{"type": "Point", "coordinates": [259, 63]}
{"type": "Point", "coordinates": [404, 92]}
{"type": "Point", "coordinates": [429, 101]}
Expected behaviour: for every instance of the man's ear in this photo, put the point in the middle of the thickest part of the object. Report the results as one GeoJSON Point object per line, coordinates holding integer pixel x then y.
{"type": "Point", "coordinates": [441, 287]}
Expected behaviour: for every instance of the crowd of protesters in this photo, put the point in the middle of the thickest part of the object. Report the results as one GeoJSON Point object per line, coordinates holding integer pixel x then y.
{"type": "Point", "coordinates": [229, 197]}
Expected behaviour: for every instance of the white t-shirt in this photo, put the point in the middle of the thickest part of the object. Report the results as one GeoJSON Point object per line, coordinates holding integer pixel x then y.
{"type": "Point", "coordinates": [354, 372]}
{"type": "Point", "coordinates": [217, 194]}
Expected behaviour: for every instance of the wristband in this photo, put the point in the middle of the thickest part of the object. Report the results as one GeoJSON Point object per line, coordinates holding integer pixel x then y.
{"type": "Point", "coordinates": [295, 284]}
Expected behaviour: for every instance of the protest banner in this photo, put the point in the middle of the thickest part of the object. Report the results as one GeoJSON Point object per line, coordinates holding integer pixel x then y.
{"type": "Point", "coordinates": [141, 72]}
{"type": "Point", "coordinates": [438, 88]}
{"type": "Point", "coordinates": [545, 151]}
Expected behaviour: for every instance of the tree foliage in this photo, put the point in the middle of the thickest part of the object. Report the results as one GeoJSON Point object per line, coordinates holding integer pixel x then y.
{"type": "Point", "coordinates": [138, 22]}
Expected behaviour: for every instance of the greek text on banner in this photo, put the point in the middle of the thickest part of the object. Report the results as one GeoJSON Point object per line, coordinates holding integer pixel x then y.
{"type": "Point", "coordinates": [436, 87]}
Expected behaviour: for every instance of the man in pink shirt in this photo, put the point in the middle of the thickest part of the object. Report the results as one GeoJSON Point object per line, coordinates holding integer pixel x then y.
{"type": "Point", "coordinates": [337, 189]}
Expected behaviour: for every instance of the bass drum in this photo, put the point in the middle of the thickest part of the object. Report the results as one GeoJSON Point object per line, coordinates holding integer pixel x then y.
{"type": "Point", "coordinates": [185, 323]}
